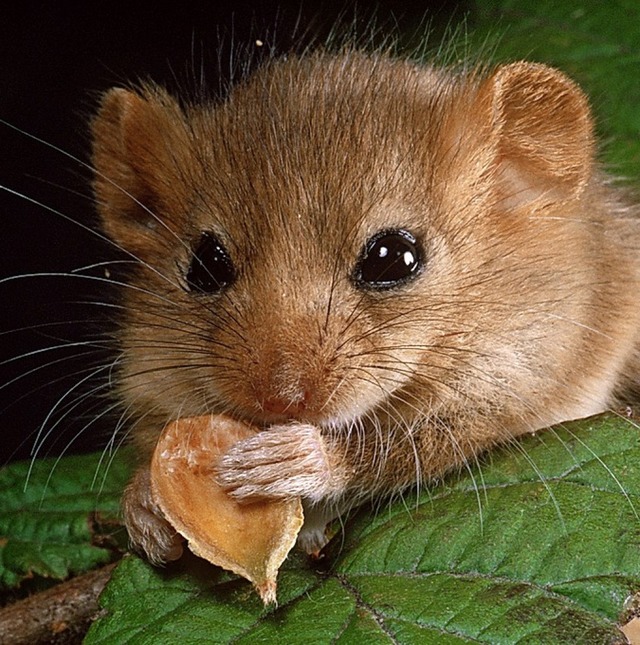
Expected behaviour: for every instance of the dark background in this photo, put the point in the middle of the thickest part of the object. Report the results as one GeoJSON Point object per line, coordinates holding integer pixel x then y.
{"type": "Point", "coordinates": [55, 58]}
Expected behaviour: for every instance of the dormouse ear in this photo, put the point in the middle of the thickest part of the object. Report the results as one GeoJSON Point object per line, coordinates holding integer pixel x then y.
{"type": "Point", "coordinates": [542, 132]}
{"type": "Point", "coordinates": [137, 139]}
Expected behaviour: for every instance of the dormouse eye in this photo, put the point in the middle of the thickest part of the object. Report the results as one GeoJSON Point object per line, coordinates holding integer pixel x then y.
{"type": "Point", "coordinates": [389, 258]}
{"type": "Point", "coordinates": [211, 268]}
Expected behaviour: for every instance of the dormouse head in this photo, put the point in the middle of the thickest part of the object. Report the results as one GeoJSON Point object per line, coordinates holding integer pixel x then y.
{"type": "Point", "coordinates": [329, 241]}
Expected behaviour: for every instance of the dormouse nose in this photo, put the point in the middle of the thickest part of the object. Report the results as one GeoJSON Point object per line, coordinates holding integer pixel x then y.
{"type": "Point", "coordinates": [281, 405]}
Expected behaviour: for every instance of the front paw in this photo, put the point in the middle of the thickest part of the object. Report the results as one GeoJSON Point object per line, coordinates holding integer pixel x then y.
{"type": "Point", "coordinates": [282, 462]}
{"type": "Point", "coordinates": [149, 532]}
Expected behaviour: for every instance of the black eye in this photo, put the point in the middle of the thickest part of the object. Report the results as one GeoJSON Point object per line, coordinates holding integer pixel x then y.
{"type": "Point", "coordinates": [389, 259]}
{"type": "Point", "coordinates": [211, 268]}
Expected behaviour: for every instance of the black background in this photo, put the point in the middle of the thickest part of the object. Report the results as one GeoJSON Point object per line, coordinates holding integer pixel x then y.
{"type": "Point", "coordinates": [55, 59]}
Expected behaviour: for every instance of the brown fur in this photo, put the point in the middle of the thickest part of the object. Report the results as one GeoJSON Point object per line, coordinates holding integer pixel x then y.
{"type": "Point", "coordinates": [524, 316]}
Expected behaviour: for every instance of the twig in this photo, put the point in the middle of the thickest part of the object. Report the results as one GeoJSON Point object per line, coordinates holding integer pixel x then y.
{"type": "Point", "coordinates": [61, 614]}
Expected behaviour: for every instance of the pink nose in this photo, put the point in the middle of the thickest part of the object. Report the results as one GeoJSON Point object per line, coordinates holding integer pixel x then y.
{"type": "Point", "coordinates": [285, 407]}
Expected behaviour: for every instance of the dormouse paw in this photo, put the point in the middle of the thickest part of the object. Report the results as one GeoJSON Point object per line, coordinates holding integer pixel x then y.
{"type": "Point", "coordinates": [149, 532]}
{"type": "Point", "coordinates": [281, 462]}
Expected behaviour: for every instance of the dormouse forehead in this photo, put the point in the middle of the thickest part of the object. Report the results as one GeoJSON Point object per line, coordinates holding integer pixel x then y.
{"type": "Point", "coordinates": [317, 149]}
{"type": "Point", "coordinates": [309, 130]}
{"type": "Point", "coordinates": [324, 108]}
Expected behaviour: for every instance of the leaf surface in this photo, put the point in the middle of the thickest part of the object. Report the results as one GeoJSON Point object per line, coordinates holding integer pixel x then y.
{"type": "Point", "coordinates": [542, 548]}
{"type": "Point", "coordinates": [48, 515]}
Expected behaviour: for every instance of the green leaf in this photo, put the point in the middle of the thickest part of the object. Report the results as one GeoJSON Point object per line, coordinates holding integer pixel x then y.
{"type": "Point", "coordinates": [47, 515]}
{"type": "Point", "coordinates": [540, 545]}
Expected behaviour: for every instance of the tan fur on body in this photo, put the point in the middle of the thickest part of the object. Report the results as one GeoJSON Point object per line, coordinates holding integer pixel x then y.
{"type": "Point", "coordinates": [524, 314]}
